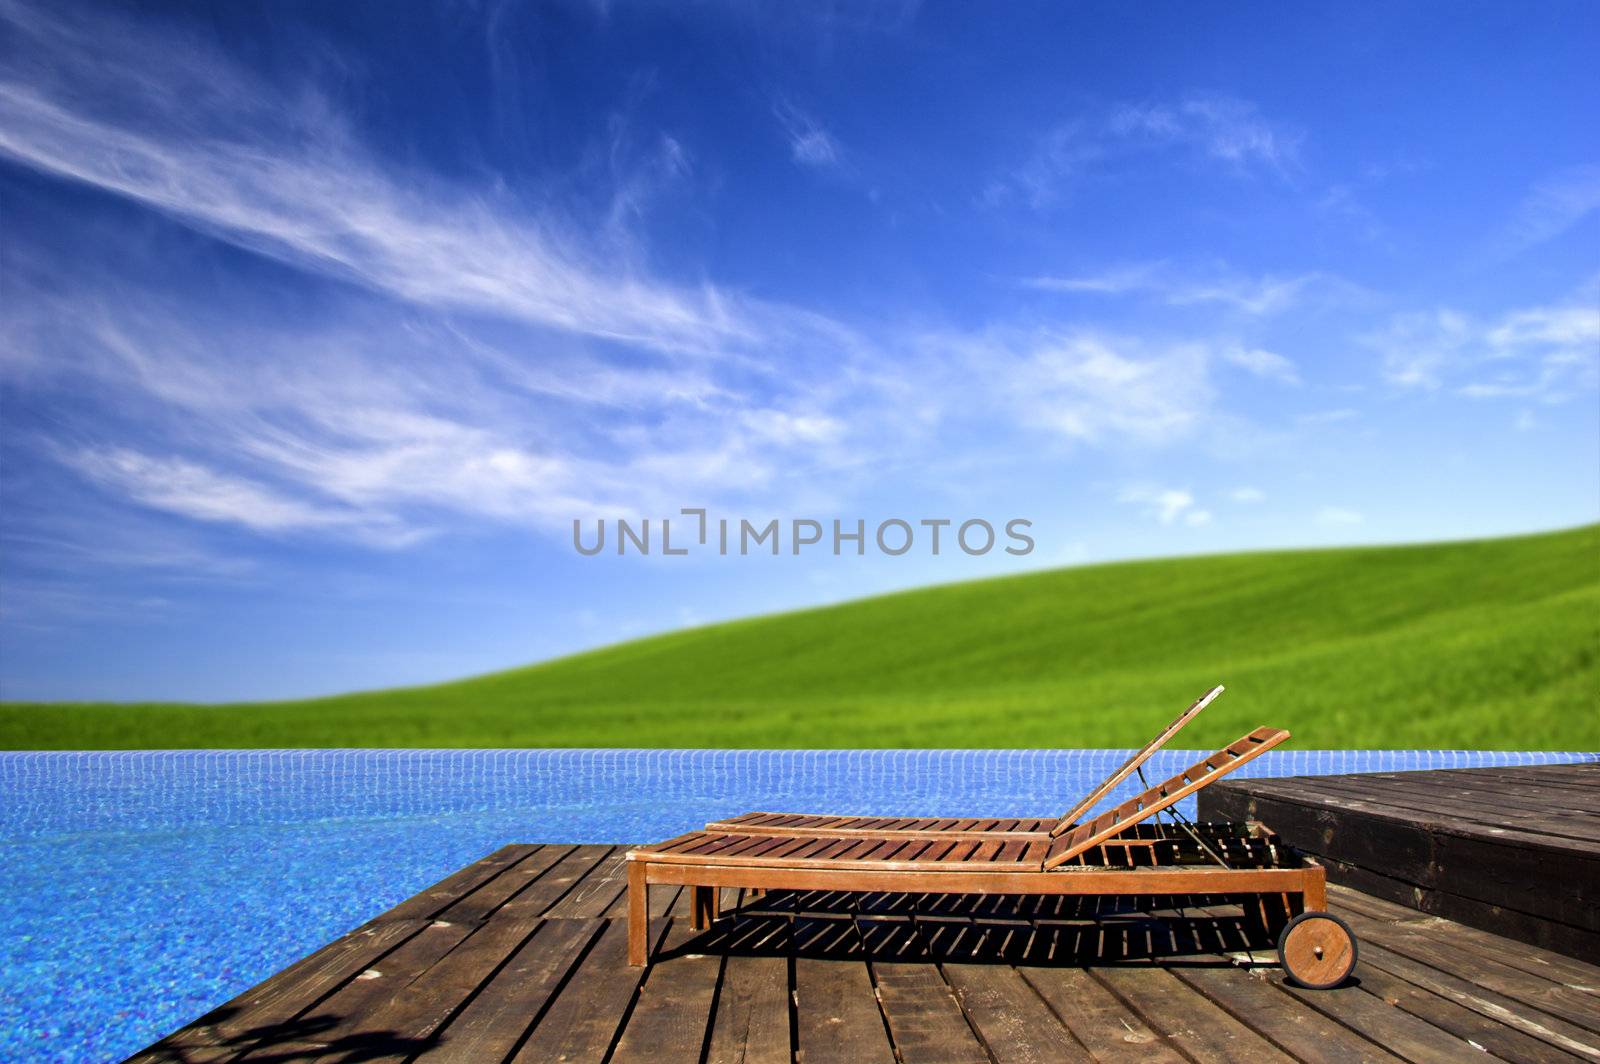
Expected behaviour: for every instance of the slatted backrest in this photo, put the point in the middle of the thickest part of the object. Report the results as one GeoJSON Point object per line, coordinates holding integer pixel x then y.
{"type": "Point", "coordinates": [1202, 772]}
{"type": "Point", "coordinates": [1070, 817]}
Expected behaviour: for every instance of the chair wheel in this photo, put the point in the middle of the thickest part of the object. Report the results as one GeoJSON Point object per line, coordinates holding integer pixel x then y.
{"type": "Point", "coordinates": [1317, 950]}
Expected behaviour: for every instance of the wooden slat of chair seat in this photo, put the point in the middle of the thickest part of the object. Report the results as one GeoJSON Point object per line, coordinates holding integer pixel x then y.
{"type": "Point", "coordinates": [845, 825]}
{"type": "Point", "coordinates": [836, 846]}
{"type": "Point", "coordinates": [877, 854]}
{"type": "Point", "coordinates": [771, 844]}
{"type": "Point", "coordinates": [1163, 795]}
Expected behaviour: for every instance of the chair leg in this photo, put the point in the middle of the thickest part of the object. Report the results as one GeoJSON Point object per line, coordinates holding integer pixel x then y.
{"type": "Point", "coordinates": [703, 907]}
{"type": "Point", "coordinates": [638, 915]}
{"type": "Point", "coordinates": [1315, 895]}
{"type": "Point", "coordinates": [1276, 911]}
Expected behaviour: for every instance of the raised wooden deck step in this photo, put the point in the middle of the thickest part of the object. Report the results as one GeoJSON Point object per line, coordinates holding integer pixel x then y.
{"type": "Point", "coordinates": [522, 956]}
{"type": "Point", "coordinates": [1515, 851]}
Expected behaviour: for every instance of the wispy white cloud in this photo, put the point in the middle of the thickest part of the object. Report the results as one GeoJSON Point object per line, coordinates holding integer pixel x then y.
{"type": "Point", "coordinates": [1262, 363]}
{"type": "Point", "coordinates": [1093, 387]}
{"type": "Point", "coordinates": [1253, 296]}
{"type": "Point", "coordinates": [638, 178]}
{"type": "Point", "coordinates": [1167, 505]}
{"type": "Point", "coordinates": [383, 431]}
{"type": "Point", "coordinates": [171, 125]}
{"type": "Point", "coordinates": [1061, 156]}
{"type": "Point", "coordinates": [1329, 417]}
{"type": "Point", "coordinates": [1547, 353]}
{"type": "Point", "coordinates": [789, 428]}
{"type": "Point", "coordinates": [1338, 515]}
{"type": "Point", "coordinates": [50, 605]}
{"type": "Point", "coordinates": [1551, 207]}
{"type": "Point", "coordinates": [1341, 204]}
{"type": "Point", "coordinates": [182, 487]}
{"type": "Point", "coordinates": [810, 144]}
{"type": "Point", "coordinates": [53, 540]}
{"type": "Point", "coordinates": [1247, 494]}
{"type": "Point", "coordinates": [1257, 296]}
{"type": "Point", "coordinates": [1570, 325]}
{"type": "Point", "coordinates": [1417, 348]}
{"type": "Point", "coordinates": [1137, 277]}
{"type": "Point", "coordinates": [1223, 128]}
{"type": "Point", "coordinates": [1218, 130]}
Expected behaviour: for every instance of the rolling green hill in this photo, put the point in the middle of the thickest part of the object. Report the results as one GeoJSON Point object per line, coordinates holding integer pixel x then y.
{"type": "Point", "coordinates": [1490, 644]}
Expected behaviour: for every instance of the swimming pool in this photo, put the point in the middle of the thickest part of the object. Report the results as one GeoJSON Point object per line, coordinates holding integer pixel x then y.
{"type": "Point", "coordinates": [142, 888]}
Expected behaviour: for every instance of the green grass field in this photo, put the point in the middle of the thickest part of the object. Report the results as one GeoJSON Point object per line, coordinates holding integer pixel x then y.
{"type": "Point", "coordinates": [1490, 644]}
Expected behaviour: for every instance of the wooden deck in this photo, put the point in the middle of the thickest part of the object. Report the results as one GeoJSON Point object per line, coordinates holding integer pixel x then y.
{"type": "Point", "coordinates": [522, 956]}
{"type": "Point", "coordinates": [1515, 851]}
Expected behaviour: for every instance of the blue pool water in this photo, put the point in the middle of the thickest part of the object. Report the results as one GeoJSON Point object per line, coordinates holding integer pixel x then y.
{"type": "Point", "coordinates": [142, 888]}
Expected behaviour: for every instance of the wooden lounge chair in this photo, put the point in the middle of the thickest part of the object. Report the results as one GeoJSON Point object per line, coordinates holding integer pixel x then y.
{"type": "Point", "coordinates": [822, 824]}
{"type": "Point", "coordinates": [1316, 948]}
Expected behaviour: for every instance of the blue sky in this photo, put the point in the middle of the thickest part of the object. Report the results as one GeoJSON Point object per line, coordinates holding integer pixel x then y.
{"type": "Point", "coordinates": [323, 322]}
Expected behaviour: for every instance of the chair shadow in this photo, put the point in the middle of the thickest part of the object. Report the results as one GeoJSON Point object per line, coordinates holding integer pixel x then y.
{"type": "Point", "coordinates": [991, 929]}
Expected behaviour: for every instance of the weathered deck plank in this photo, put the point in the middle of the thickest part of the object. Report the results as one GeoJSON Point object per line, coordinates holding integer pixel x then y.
{"type": "Point", "coordinates": [1012, 1019]}
{"type": "Point", "coordinates": [751, 1025]}
{"type": "Point", "coordinates": [1107, 1026]}
{"type": "Point", "coordinates": [925, 1019]}
{"type": "Point", "coordinates": [836, 1013]}
{"type": "Point", "coordinates": [1407, 1019]}
{"type": "Point", "coordinates": [1463, 991]}
{"type": "Point", "coordinates": [672, 1015]}
{"type": "Point", "coordinates": [1305, 1034]}
{"type": "Point", "coordinates": [491, 1025]}
{"type": "Point", "coordinates": [1201, 1027]}
{"type": "Point", "coordinates": [584, 1020]}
